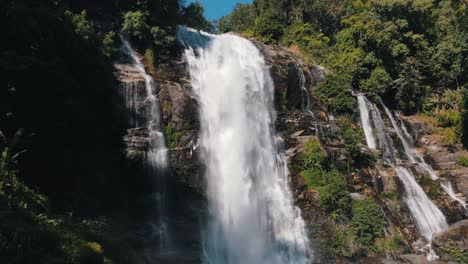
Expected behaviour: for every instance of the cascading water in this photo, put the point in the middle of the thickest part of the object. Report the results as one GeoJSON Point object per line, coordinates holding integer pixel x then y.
{"type": "Point", "coordinates": [417, 160]}
{"type": "Point", "coordinates": [304, 90]}
{"type": "Point", "coordinates": [157, 153]}
{"type": "Point", "coordinates": [252, 217]}
{"type": "Point", "coordinates": [366, 121]}
{"type": "Point", "coordinates": [427, 217]}
{"type": "Point", "coordinates": [410, 152]}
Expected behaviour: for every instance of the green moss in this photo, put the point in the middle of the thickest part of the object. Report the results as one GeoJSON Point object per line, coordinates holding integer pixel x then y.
{"type": "Point", "coordinates": [390, 195]}
{"type": "Point", "coordinates": [172, 135]}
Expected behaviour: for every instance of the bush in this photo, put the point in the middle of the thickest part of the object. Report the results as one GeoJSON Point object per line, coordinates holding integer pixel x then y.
{"type": "Point", "coordinates": [81, 24]}
{"type": "Point", "coordinates": [172, 135]}
{"type": "Point", "coordinates": [463, 161]}
{"type": "Point", "coordinates": [314, 156]}
{"type": "Point", "coordinates": [108, 44]}
{"type": "Point", "coordinates": [454, 254]}
{"type": "Point", "coordinates": [367, 223]}
{"type": "Point", "coordinates": [313, 177]}
{"type": "Point", "coordinates": [91, 253]}
{"type": "Point", "coordinates": [353, 138]}
{"type": "Point", "coordinates": [268, 30]}
{"type": "Point", "coordinates": [134, 25]}
{"type": "Point", "coordinates": [339, 241]}
{"type": "Point", "coordinates": [336, 94]}
{"type": "Point", "coordinates": [149, 58]}
{"type": "Point", "coordinates": [431, 187]}
{"type": "Point", "coordinates": [308, 39]}
{"type": "Point", "coordinates": [163, 41]}
{"type": "Point", "coordinates": [448, 118]}
{"type": "Point", "coordinates": [333, 194]}
{"type": "Point", "coordinates": [378, 82]}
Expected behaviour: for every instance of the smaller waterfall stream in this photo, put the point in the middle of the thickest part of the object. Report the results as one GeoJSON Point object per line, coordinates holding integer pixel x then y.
{"type": "Point", "coordinates": [157, 154]}
{"type": "Point", "coordinates": [366, 121]}
{"type": "Point", "coordinates": [426, 216]}
{"type": "Point", "coordinates": [304, 91]}
{"type": "Point", "coordinates": [415, 158]}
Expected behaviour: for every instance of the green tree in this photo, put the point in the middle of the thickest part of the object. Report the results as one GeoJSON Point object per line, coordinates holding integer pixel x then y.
{"type": "Point", "coordinates": [134, 25]}
{"type": "Point", "coordinates": [241, 19]}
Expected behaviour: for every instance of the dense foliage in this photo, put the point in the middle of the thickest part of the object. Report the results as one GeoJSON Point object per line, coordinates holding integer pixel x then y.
{"type": "Point", "coordinates": [57, 84]}
{"type": "Point", "coordinates": [410, 53]}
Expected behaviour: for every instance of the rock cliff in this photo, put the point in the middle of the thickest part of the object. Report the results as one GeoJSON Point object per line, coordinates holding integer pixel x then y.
{"type": "Point", "coordinates": [179, 108]}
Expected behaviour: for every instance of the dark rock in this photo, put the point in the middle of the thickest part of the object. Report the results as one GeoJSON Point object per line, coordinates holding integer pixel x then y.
{"type": "Point", "coordinates": [2, 139]}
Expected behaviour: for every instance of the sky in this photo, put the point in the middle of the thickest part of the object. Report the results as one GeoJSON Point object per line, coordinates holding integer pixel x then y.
{"type": "Point", "coordinates": [215, 9]}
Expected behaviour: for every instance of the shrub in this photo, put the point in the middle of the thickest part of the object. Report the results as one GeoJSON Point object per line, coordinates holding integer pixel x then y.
{"type": "Point", "coordinates": [463, 161]}
{"type": "Point", "coordinates": [313, 177]}
{"type": "Point", "coordinates": [336, 94]}
{"type": "Point", "coordinates": [149, 58]}
{"type": "Point", "coordinates": [162, 41]}
{"type": "Point", "coordinates": [333, 194]}
{"type": "Point", "coordinates": [81, 24]}
{"type": "Point", "coordinates": [367, 223]}
{"type": "Point", "coordinates": [448, 118]}
{"type": "Point", "coordinates": [172, 135]}
{"type": "Point", "coordinates": [108, 44]}
{"type": "Point", "coordinates": [454, 254]}
{"type": "Point", "coordinates": [91, 253]}
{"type": "Point", "coordinates": [314, 156]}
{"type": "Point", "coordinates": [268, 30]}
{"type": "Point", "coordinates": [353, 138]}
{"type": "Point", "coordinates": [432, 188]}
{"type": "Point", "coordinates": [339, 241]}
{"type": "Point", "coordinates": [378, 82]}
{"type": "Point", "coordinates": [134, 25]}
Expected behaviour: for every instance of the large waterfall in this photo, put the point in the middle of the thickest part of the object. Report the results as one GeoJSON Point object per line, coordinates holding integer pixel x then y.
{"type": "Point", "coordinates": [426, 216]}
{"type": "Point", "coordinates": [157, 153]}
{"type": "Point", "coordinates": [252, 217]}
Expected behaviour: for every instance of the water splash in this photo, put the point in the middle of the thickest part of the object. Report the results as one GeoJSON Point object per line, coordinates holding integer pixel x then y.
{"type": "Point", "coordinates": [252, 216]}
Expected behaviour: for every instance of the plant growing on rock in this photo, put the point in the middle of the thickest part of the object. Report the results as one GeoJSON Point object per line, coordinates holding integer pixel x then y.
{"type": "Point", "coordinates": [367, 223]}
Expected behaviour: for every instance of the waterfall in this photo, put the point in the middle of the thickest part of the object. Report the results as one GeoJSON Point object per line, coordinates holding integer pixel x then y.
{"type": "Point", "coordinates": [419, 161]}
{"type": "Point", "coordinates": [410, 152]}
{"type": "Point", "coordinates": [365, 121]}
{"type": "Point", "coordinates": [252, 217]}
{"type": "Point", "coordinates": [426, 216]}
{"type": "Point", "coordinates": [157, 153]}
{"type": "Point", "coordinates": [304, 91]}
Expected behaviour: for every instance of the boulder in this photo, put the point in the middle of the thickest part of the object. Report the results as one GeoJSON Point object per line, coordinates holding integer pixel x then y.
{"type": "Point", "coordinates": [456, 237]}
{"type": "Point", "coordinates": [413, 259]}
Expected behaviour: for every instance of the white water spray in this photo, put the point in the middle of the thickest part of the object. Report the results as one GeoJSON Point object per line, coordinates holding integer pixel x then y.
{"type": "Point", "coordinates": [252, 216]}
